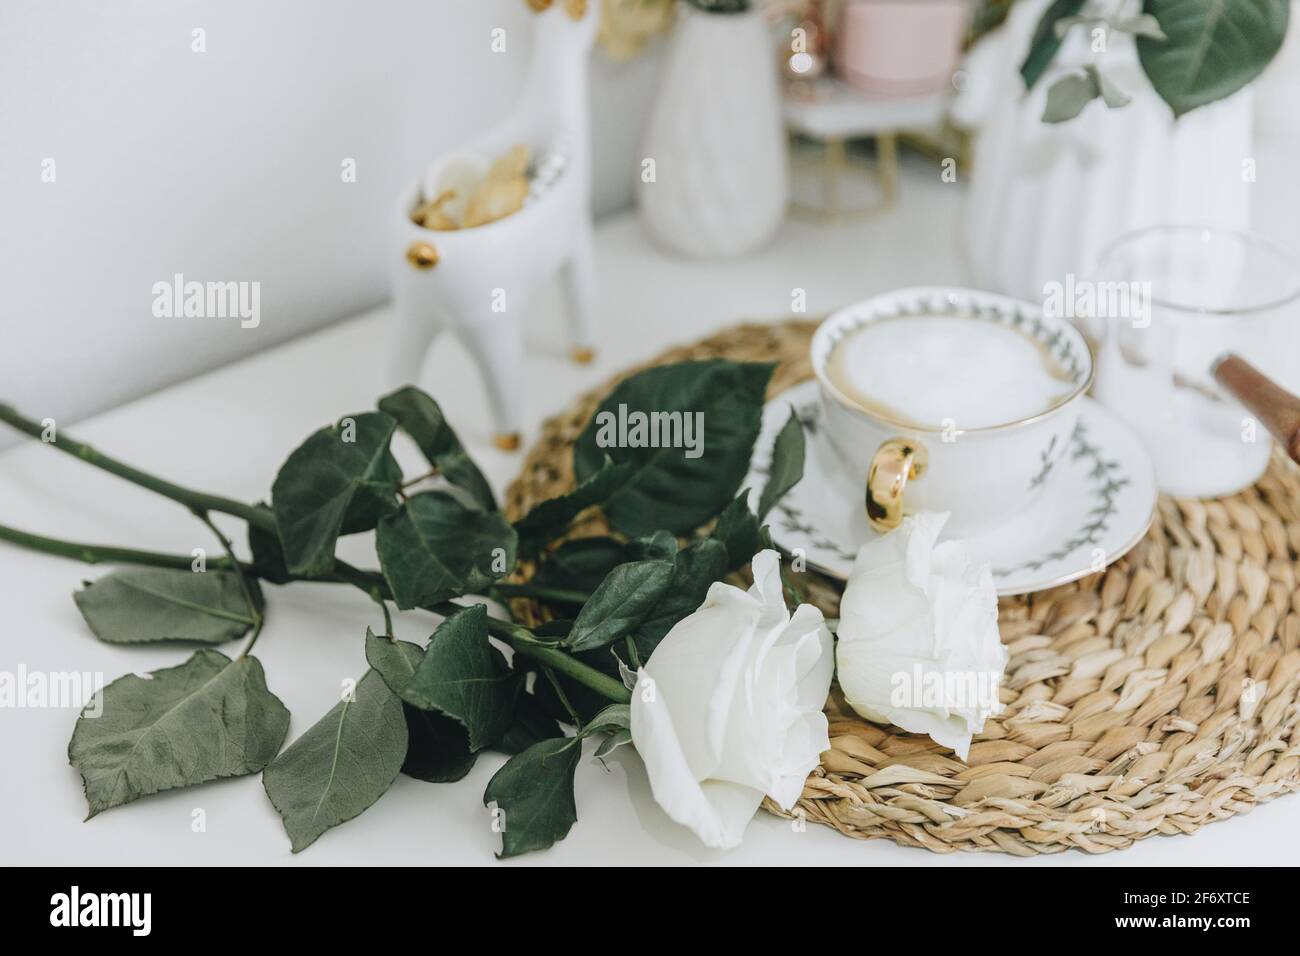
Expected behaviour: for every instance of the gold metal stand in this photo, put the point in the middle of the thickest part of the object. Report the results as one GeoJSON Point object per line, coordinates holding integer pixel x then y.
{"type": "Point", "coordinates": [835, 163]}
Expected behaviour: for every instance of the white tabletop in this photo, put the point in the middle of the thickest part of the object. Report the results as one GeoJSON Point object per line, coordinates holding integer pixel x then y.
{"type": "Point", "coordinates": [228, 431]}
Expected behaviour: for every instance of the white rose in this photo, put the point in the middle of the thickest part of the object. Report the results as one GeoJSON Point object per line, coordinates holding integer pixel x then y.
{"type": "Point", "coordinates": [729, 706]}
{"type": "Point", "coordinates": [918, 639]}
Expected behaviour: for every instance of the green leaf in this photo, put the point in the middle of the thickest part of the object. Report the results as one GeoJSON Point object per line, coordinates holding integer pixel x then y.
{"type": "Point", "coordinates": [341, 765]}
{"type": "Point", "coordinates": [585, 701]}
{"type": "Point", "coordinates": [139, 605]}
{"type": "Point", "coordinates": [268, 555]}
{"type": "Point", "coordinates": [341, 480]}
{"type": "Point", "coordinates": [612, 743]}
{"type": "Point", "coordinates": [437, 749]}
{"type": "Point", "coordinates": [421, 418]}
{"type": "Point", "coordinates": [534, 794]}
{"type": "Point", "coordinates": [1141, 25]}
{"type": "Point", "coordinates": [466, 678]}
{"type": "Point", "coordinates": [529, 726]}
{"type": "Point", "coordinates": [662, 545]}
{"type": "Point", "coordinates": [668, 490]}
{"type": "Point", "coordinates": [787, 464]}
{"type": "Point", "coordinates": [613, 718]}
{"type": "Point", "coordinates": [1067, 97]}
{"type": "Point", "coordinates": [623, 601]}
{"type": "Point", "coordinates": [434, 548]}
{"type": "Point", "coordinates": [1111, 95]}
{"type": "Point", "coordinates": [396, 661]}
{"type": "Point", "coordinates": [581, 564]}
{"type": "Point", "coordinates": [1045, 42]}
{"type": "Point", "coordinates": [695, 568]}
{"type": "Point", "coordinates": [738, 530]}
{"type": "Point", "coordinates": [549, 518]}
{"type": "Point", "coordinates": [208, 718]}
{"type": "Point", "coordinates": [1213, 47]}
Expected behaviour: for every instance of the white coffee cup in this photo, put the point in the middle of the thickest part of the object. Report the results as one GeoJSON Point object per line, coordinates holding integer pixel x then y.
{"type": "Point", "coordinates": [982, 474]}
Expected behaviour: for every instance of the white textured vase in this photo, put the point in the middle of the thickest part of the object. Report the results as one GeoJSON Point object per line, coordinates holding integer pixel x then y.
{"type": "Point", "coordinates": [715, 150]}
{"type": "Point", "coordinates": [1045, 199]}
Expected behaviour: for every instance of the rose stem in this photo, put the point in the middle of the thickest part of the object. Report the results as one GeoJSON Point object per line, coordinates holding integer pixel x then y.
{"type": "Point", "coordinates": [194, 500]}
{"type": "Point", "coordinates": [520, 638]}
{"type": "Point", "coordinates": [537, 591]}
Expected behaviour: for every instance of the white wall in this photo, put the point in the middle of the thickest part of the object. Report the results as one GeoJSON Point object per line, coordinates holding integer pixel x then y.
{"type": "Point", "coordinates": [225, 165]}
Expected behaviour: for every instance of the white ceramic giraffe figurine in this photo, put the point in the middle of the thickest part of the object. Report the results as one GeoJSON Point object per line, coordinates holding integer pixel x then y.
{"type": "Point", "coordinates": [476, 282]}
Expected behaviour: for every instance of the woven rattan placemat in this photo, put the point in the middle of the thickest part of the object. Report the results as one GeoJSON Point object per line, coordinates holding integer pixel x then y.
{"type": "Point", "coordinates": [1155, 697]}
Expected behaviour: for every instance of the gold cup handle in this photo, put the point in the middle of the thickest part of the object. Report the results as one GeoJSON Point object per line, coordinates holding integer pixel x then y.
{"type": "Point", "coordinates": [896, 462]}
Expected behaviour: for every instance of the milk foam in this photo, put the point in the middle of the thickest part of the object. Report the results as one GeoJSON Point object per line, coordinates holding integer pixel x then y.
{"type": "Point", "coordinates": [928, 370]}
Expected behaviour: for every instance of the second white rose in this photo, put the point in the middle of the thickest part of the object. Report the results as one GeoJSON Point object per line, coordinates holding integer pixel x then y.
{"type": "Point", "coordinates": [919, 645]}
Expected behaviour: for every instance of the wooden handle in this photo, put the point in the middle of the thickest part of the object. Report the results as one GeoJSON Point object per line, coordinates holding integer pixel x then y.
{"type": "Point", "coordinates": [1273, 405]}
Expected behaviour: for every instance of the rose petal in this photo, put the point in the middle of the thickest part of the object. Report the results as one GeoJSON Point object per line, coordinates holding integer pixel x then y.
{"type": "Point", "coordinates": [717, 812]}
{"type": "Point", "coordinates": [767, 588]}
{"type": "Point", "coordinates": [787, 678]}
{"type": "Point", "coordinates": [701, 660]}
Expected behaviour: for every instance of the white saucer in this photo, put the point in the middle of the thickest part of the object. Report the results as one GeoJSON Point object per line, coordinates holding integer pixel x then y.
{"type": "Point", "coordinates": [1097, 505]}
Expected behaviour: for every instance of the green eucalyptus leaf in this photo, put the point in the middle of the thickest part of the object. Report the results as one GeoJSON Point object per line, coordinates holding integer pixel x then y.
{"type": "Point", "coordinates": [1111, 95]}
{"type": "Point", "coordinates": [1045, 42]}
{"type": "Point", "coordinates": [534, 795]}
{"type": "Point", "coordinates": [1143, 25]}
{"type": "Point", "coordinates": [1067, 97]}
{"type": "Point", "coordinates": [342, 764]}
{"type": "Point", "coordinates": [695, 568]}
{"type": "Point", "coordinates": [669, 490]}
{"type": "Point", "coordinates": [1212, 48]}
{"type": "Point", "coordinates": [787, 464]}
{"type": "Point", "coordinates": [202, 720]}
{"type": "Point", "coordinates": [739, 532]}
{"type": "Point", "coordinates": [140, 605]}
{"type": "Point", "coordinates": [421, 418]}
{"type": "Point", "coordinates": [624, 599]}
{"type": "Point", "coordinates": [548, 519]}
{"type": "Point", "coordinates": [464, 677]}
{"type": "Point", "coordinates": [434, 548]}
{"type": "Point", "coordinates": [341, 480]}
{"type": "Point", "coordinates": [437, 749]}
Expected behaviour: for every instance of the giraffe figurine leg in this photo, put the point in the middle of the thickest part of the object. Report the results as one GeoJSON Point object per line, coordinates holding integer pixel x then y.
{"type": "Point", "coordinates": [579, 276]}
{"type": "Point", "coordinates": [496, 342]}
{"type": "Point", "coordinates": [417, 323]}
